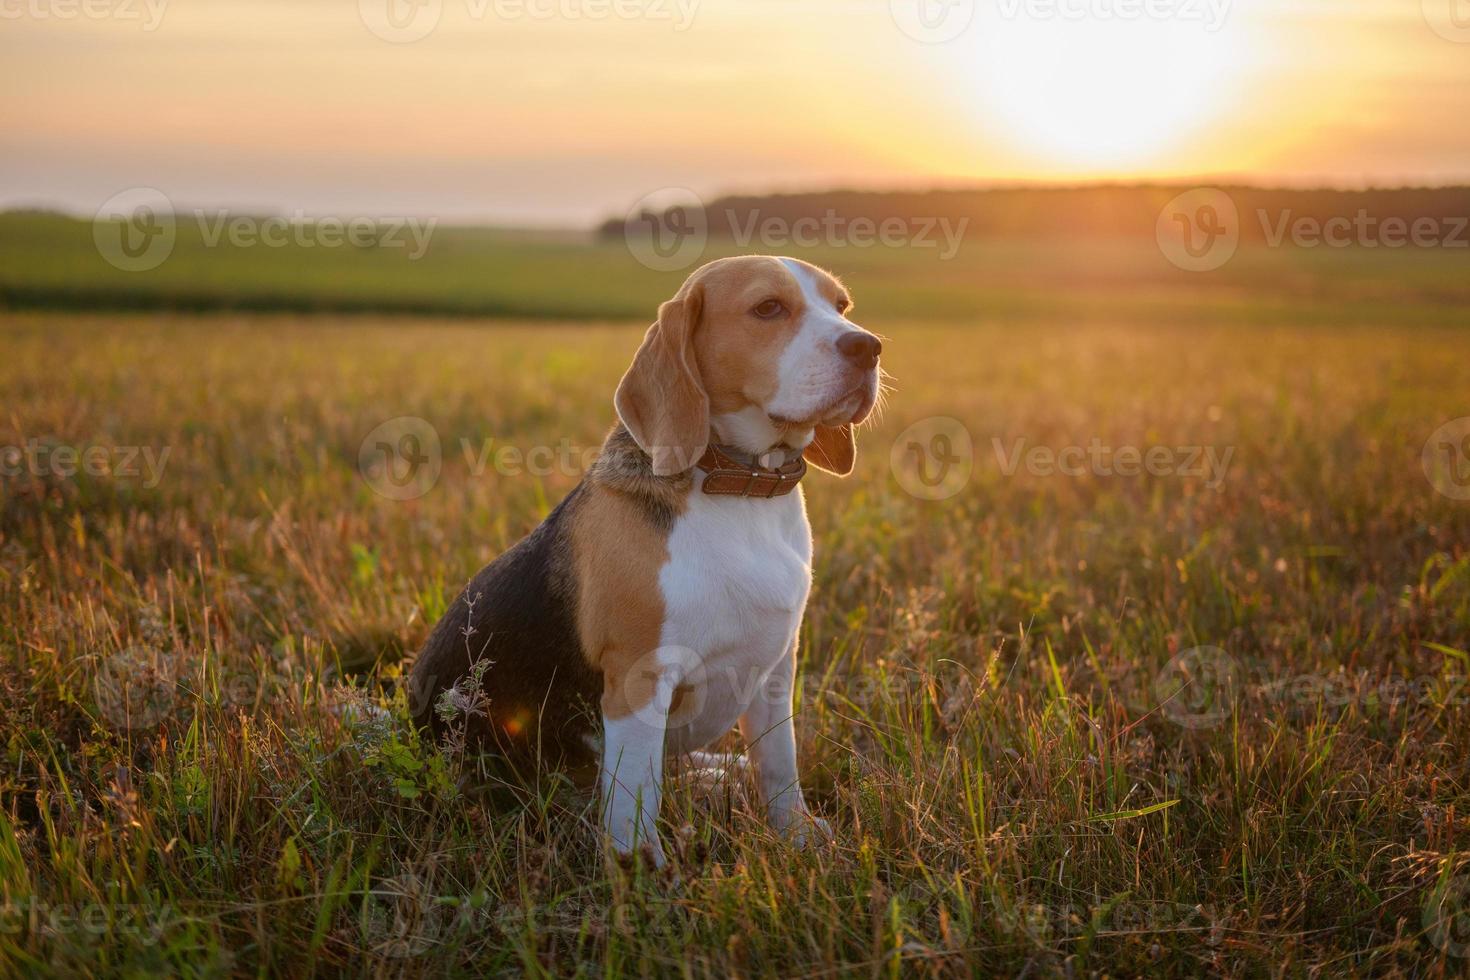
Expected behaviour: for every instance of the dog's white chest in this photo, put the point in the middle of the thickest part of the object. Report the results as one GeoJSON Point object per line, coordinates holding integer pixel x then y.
{"type": "Point", "coordinates": [734, 589]}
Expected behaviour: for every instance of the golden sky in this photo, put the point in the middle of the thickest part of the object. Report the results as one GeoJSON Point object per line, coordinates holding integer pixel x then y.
{"type": "Point", "coordinates": [565, 111]}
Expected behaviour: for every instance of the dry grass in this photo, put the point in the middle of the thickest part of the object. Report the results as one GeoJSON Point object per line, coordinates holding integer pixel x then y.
{"type": "Point", "coordinates": [991, 713]}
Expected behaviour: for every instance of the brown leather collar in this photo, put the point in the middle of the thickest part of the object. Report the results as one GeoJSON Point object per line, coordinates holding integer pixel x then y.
{"type": "Point", "coordinates": [728, 477]}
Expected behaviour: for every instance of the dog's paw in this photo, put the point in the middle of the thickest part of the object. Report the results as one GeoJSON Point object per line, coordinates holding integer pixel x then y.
{"type": "Point", "coordinates": [804, 830]}
{"type": "Point", "coordinates": [647, 853]}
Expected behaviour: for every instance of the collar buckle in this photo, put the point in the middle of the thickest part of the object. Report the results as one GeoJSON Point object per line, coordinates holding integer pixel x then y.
{"type": "Point", "coordinates": [726, 476]}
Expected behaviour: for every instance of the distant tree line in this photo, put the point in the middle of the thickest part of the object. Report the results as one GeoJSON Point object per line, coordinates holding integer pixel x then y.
{"type": "Point", "coordinates": [1108, 210]}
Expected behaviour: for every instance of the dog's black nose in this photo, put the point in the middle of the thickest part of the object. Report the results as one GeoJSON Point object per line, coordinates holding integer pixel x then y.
{"type": "Point", "coordinates": [860, 348]}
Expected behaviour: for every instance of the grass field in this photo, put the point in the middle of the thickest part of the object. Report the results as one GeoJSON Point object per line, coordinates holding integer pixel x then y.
{"type": "Point", "coordinates": [52, 262]}
{"type": "Point", "coordinates": [1061, 724]}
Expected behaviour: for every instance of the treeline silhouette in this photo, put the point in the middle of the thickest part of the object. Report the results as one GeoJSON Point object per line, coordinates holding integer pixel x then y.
{"type": "Point", "coordinates": [1106, 210]}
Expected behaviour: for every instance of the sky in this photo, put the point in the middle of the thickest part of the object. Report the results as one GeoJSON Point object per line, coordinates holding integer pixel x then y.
{"type": "Point", "coordinates": [563, 112]}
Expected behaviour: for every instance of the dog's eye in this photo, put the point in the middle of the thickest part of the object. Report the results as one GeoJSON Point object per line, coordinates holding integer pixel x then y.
{"type": "Point", "coordinates": [843, 304]}
{"type": "Point", "coordinates": [769, 309]}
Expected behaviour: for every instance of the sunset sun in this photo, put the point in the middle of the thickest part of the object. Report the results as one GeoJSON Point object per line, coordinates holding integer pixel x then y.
{"type": "Point", "coordinates": [1103, 93]}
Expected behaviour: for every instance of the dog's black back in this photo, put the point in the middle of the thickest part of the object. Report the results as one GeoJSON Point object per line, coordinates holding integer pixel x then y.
{"type": "Point", "coordinates": [519, 613]}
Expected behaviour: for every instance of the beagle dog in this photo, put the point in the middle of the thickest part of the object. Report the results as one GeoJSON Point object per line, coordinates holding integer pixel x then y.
{"type": "Point", "coordinates": [659, 604]}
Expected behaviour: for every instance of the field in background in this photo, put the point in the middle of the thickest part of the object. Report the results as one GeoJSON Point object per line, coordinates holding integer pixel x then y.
{"type": "Point", "coordinates": [52, 262]}
{"type": "Point", "coordinates": [1060, 723]}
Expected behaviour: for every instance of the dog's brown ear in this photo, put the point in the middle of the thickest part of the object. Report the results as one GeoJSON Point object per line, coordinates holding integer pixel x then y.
{"type": "Point", "coordinates": [661, 399]}
{"type": "Point", "coordinates": [833, 449]}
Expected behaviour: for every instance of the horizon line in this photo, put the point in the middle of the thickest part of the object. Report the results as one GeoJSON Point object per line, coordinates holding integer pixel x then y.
{"type": "Point", "coordinates": [20, 206]}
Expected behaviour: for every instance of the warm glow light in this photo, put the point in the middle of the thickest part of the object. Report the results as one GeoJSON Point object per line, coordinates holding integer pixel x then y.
{"type": "Point", "coordinates": [1105, 93]}
{"type": "Point", "coordinates": [564, 120]}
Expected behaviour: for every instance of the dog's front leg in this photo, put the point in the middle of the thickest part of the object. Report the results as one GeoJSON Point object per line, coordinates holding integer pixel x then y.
{"type": "Point", "coordinates": [769, 731]}
{"type": "Point", "coordinates": [632, 771]}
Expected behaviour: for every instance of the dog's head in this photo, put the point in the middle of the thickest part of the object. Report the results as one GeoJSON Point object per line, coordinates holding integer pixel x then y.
{"type": "Point", "coordinates": [760, 348]}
